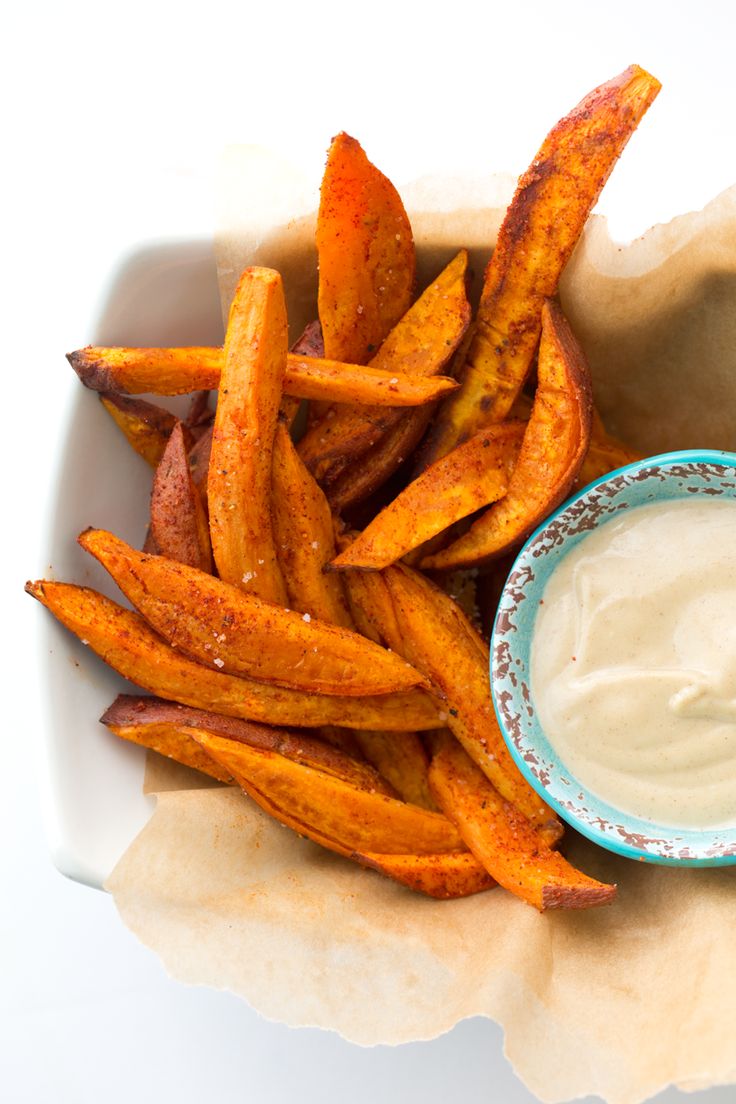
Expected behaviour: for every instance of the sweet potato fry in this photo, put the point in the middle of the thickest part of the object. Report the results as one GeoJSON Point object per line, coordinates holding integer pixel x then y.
{"type": "Point", "coordinates": [507, 845]}
{"type": "Point", "coordinates": [471, 476]}
{"type": "Point", "coordinates": [425, 626]}
{"type": "Point", "coordinates": [146, 427]}
{"type": "Point", "coordinates": [401, 759]}
{"type": "Point", "coordinates": [420, 345]}
{"type": "Point", "coordinates": [178, 519]}
{"type": "Point", "coordinates": [356, 819]}
{"type": "Point", "coordinates": [366, 254]}
{"type": "Point", "coordinates": [541, 228]}
{"type": "Point", "coordinates": [604, 455]}
{"type": "Point", "coordinates": [305, 541]}
{"type": "Point", "coordinates": [240, 634]}
{"type": "Point", "coordinates": [161, 725]}
{"type": "Point", "coordinates": [200, 413]}
{"type": "Point", "coordinates": [454, 874]}
{"type": "Point", "coordinates": [125, 642]}
{"type": "Point", "coordinates": [555, 443]}
{"type": "Point", "coordinates": [239, 479]}
{"type": "Point", "coordinates": [307, 376]}
{"type": "Point", "coordinates": [199, 462]}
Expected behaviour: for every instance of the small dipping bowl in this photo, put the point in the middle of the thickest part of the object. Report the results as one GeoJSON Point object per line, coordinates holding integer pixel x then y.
{"type": "Point", "coordinates": [672, 476]}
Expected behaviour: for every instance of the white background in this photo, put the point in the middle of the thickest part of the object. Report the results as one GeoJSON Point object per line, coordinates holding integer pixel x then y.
{"type": "Point", "coordinates": [113, 118]}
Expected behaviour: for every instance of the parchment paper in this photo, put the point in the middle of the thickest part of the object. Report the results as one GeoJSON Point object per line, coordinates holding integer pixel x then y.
{"type": "Point", "coordinates": [616, 1002]}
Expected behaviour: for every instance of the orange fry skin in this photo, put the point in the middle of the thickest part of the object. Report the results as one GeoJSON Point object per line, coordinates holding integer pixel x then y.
{"type": "Point", "coordinates": [239, 478]}
{"type": "Point", "coordinates": [304, 536]}
{"type": "Point", "coordinates": [178, 519]}
{"type": "Point", "coordinates": [473, 475]}
{"type": "Point", "coordinates": [147, 427]}
{"type": "Point", "coordinates": [125, 642]}
{"type": "Point", "coordinates": [240, 634]}
{"type": "Point", "coordinates": [542, 226]}
{"type": "Point", "coordinates": [367, 264]}
{"type": "Point", "coordinates": [131, 371]}
{"type": "Point", "coordinates": [355, 819]}
{"type": "Point", "coordinates": [554, 446]}
{"type": "Point", "coordinates": [507, 845]}
{"type": "Point", "coordinates": [161, 725]}
{"type": "Point", "coordinates": [419, 621]}
{"type": "Point", "coordinates": [445, 877]}
{"type": "Point", "coordinates": [401, 759]}
{"type": "Point", "coordinates": [420, 345]}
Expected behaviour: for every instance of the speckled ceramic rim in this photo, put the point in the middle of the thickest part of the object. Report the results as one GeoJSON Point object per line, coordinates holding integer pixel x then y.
{"type": "Point", "coordinates": [674, 475]}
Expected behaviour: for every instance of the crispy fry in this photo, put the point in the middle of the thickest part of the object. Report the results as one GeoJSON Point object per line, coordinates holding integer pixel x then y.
{"type": "Point", "coordinates": [199, 462]}
{"type": "Point", "coordinates": [401, 759]}
{"type": "Point", "coordinates": [307, 376]}
{"type": "Point", "coordinates": [541, 228]}
{"type": "Point", "coordinates": [146, 427]}
{"type": "Point", "coordinates": [554, 445]}
{"type": "Point", "coordinates": [353, 818]}
{"type": "Point", "coordinates": [454, 874]}
{"type": "Point", "coordinates": [178, 519]}
{"type": "Point", "coordinates": [161, 725]}
{"type": "Point", "coordinates": [240, 634]}
{"type": "Point", "coordinates": [507, 845]}
{"type": "Point", "coordinates": [420, 345]}
{"type": "Point", "coordinates": [305, 541]}
{"type": "Point", "coordinates": [472, 475]}
{"type": "Point", "coordinates": [126, 643]}
{"type": "Point", "coordinates": [419, 621]}
{"type": "Point", "coordinates": [366, 254]}
{"type": "Point", "coordinates": [239, 479]}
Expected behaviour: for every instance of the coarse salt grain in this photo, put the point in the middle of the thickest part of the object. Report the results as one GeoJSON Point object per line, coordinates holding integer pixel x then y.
{"type": "Point", "coordinates": [248, 576]}
{"type": "Point", "coordinates": [360, 309]}
{"type": "Point", "coordinates": [315, 544]}
{"type": "Point", "coordinates": [218, 662]}
{"type": "Point", "coordinates": [306, 617]}
{"type": "Point", "coordinates": [394, 379]}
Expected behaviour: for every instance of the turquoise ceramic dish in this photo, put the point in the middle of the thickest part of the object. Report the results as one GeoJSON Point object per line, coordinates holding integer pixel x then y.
{"type": "Point", "coordinates": [660, 478]}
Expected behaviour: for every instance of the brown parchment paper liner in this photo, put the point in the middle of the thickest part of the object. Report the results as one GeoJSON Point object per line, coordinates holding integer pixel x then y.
{"type": "Point", "coordinates": [617, 1002]}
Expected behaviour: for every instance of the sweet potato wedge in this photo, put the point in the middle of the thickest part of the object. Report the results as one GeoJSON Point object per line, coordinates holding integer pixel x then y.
{"type": "Point", "coordinates": [240, 634]}
{"type": "Point", "coordinates": [541, 228]}
{"type": "Point", "coordinates": [161, 725]}
{"type": "Point", "coordinates": [419, 345]}
{"type": "Point", "coordinates": [199, 462]}
{"type": "Point", "coordinates": [425, 626]}
{"type": "Point", "coordinates": [507, 845]}
{"type": "Point", "coordinates": [307, 376]}
{"type": "Point", "coordinates": [304, 536]}
{"type": "Point", "coordinates": [239, 479]}
{"type": "Point", "coordinates": [401, 759]}
{"type": "Point", "coordinates": [555, 442]}
{"type": "Point", "coordinates": [356, 819]}
{"type": "Point", "coordinates": [604, 455]}
{"type": "Point", "coordinates": [146, 427]}
{"type": "Point", "coordinates": [366, 254]}
{"type": "Point", "coordinates": [471, 476]}
{"type": "Point", "coordinates": [125, 642]}
{"type": "Point", "coordinates": [454, 874]}
{"type": "Point", "coordinates": [178, 518]}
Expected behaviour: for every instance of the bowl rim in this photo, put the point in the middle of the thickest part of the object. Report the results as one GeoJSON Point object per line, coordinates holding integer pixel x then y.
{"type": "Point", "coordinates": [719, 457]}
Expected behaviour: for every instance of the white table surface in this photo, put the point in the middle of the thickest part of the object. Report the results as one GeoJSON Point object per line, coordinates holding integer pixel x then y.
{"type": "Point", "coordinates": [114, 118]}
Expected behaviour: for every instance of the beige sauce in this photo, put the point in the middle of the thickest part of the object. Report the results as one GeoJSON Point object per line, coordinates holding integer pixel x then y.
{"type": "Point", "coordinates": [633, 666]}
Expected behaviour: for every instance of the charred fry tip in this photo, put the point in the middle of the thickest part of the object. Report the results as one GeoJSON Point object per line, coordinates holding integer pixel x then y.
{"type": "Point", "coordinates": [35, 589]}
{"type": "Point", "coordinates": [577, 897]}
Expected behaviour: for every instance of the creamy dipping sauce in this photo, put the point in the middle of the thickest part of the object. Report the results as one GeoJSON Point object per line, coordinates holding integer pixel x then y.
{"type": "Point", "coordinates": [633, 662]}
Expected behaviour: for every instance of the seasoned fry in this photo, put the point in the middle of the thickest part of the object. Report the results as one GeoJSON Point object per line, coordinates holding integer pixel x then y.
{"type": "Point", "coordinates": [419, 346]}
{"type": "Point", "coordinates": [425, 626]}
{"type": "Point", "coordinates": [353, 818]}
{"type": "Point", "coordinates": [126, 643]}
{"type": "Point", "coordinates": [307, 376]}
{"type": "Point", "coordinates": [239, 478]}
{"type": "Point", "coordinates": [200, 414]}
{"type": "Point", "coordinates": [555, 443]}
{"type": "Point", "coordinates": [507, 845]}
{"type": "Point", "coordinates": [240, 634]}
{"type": "Point", "coordinates": [366, 254]}
{"type": "Point", "coordinates": [541, 228]}
{"type": "Point", "coordinates": [146, 427]}
{"type": "Point", "coordinates": [305, 541]}
{"type": "Point", "coordinates": [199, 462]}
{"type": "Point", "coordinates": [401, 759]}
{"type": "Point", "coordinates": [161, 725]}
{"type": "Point", "coordinates": [471, 476]}
{"type": "Point", "coordinates": [178, 519]}
{"type": "Point", "coordinates": [454, 874]}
